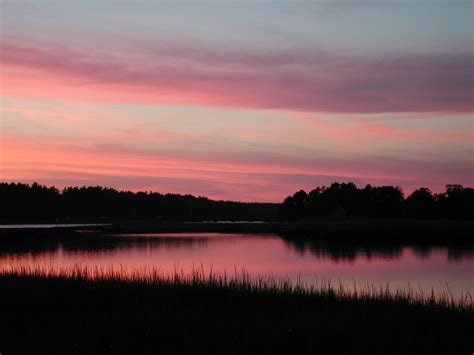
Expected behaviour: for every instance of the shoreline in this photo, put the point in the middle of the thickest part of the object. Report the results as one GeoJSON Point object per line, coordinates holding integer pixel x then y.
{"type": "Point", "coordinates": [354, 231]}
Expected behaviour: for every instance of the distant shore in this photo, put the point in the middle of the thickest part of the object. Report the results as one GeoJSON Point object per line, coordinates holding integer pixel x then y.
{"type": "Point", "coordinates": [390, 231]}
{"type": "Point", "coordinates": [84, 311]}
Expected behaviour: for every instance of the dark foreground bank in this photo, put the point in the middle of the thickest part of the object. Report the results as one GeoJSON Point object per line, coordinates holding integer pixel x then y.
{"type": "Point", "coordinates": [72, 314]}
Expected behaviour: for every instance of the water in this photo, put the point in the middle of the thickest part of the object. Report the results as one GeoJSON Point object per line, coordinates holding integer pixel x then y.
{"type": "Point", "coordinates": [441, 269]}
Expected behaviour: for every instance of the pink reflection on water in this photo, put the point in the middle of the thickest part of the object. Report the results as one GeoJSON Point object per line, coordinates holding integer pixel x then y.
{"type": "Point", "coordinates": [262, 255]}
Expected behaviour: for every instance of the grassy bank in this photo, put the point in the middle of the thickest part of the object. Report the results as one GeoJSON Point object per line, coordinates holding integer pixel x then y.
{"type": "Point", "coordinates": [94, 312]}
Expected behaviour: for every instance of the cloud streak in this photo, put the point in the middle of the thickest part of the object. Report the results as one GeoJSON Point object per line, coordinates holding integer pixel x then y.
{"type": "Point", "coordinates": [303, 81]}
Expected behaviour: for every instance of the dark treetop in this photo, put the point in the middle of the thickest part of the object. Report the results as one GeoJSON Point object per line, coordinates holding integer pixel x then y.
{"type": "Point", "coordinates": [23, 202]}
{"type": "Point", "coordinates": [348, 201]}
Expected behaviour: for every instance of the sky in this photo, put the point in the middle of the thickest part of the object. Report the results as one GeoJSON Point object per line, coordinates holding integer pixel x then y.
{"type": "Point", "coordinates": [237, 100]}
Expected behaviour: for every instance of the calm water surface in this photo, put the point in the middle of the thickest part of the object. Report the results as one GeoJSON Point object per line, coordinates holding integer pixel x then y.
{"type": "Point", "coordinates": [423, 269]}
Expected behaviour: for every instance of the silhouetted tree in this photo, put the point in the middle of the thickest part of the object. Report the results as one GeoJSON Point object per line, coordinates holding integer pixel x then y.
{"type": "Point", "coordinates": [421, 204]}
{"type": "Point", "coordinates": [347, 201]}
{"type": "Point", "coordinates": [295, 206]}
{"type": "Point", "coordinates": [21, 202]}
{"type": "Point", "coordinates": [456, 202]}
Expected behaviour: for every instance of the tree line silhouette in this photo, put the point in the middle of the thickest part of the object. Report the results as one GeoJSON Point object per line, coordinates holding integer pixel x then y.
{"type": "Point", "coordinates": [21, 202]}
{"type": "Point", "coordinates": [37, 202]}
{"type": "Point", "coordinates": [347, 201]}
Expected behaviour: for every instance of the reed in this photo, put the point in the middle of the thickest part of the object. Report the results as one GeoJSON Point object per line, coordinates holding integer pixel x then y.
{"type": "Point", "coordinates": [241, 281]}
{"type": "Point", "coordinates": [80, 310]}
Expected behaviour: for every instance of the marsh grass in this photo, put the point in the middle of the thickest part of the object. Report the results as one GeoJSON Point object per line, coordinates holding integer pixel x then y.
{"type": "Point", "coordinates": [81, 310]}
{"type": "Point", "coordinates": [241, 281]}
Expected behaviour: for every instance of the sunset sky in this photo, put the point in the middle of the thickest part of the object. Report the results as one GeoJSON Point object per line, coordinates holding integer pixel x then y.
{"type": "Point", "coordinates": [242, 100]}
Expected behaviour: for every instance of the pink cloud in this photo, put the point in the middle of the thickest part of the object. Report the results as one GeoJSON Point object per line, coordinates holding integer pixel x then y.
{"type": "Point", "coordinates": [297, 81]}
{"type": "Point", "coordinates": [357, 132]}
{"type": "Point", "coordinates": [283, 161]}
